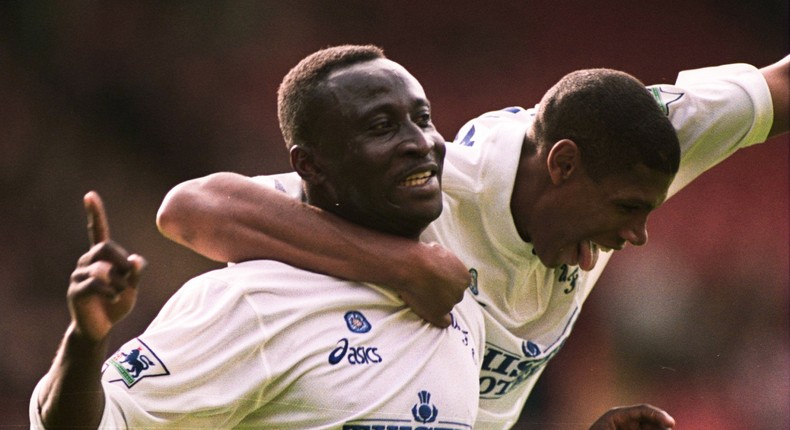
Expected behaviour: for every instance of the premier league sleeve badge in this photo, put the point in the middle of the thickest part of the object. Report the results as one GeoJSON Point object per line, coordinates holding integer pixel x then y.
{"type": "Point", "coordinates": [133, 362]}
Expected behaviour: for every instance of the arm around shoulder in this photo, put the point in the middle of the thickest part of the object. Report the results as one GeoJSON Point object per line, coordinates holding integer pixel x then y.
{"type": "Point", "coordinates": [230, 217]}
{"type": "Point", "coordinates": [200, 214]}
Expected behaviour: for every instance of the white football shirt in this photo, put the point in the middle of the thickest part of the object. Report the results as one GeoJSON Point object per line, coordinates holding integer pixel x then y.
{"type": "Point", "coordinates": [530, 309]}
{"type": "Point", "coordinates": [261, 344]}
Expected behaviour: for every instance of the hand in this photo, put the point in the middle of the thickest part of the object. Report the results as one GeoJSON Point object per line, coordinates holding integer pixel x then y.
{"type": "Point", "coordinates": [434, 283]}
{"type": "Point", "coordinates": [637, 417]}
{"type": "Point", "coordinates": [103, 287]}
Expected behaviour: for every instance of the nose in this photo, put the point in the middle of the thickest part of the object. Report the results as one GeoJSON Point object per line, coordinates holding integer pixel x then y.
{"type": "Point", "coordinates": [636, 233]}
{"type": "Point", "coordinates": [416, 142]}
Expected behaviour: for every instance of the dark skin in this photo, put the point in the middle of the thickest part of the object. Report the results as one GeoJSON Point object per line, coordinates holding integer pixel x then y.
{"type": "Point", "coordinates": [381, 169]}
{"type": "Point", "coordinates": [102, 292]}
{"type": "Point", "coordinates": [558, 207]}
{"type": "Point", "coordinates": [243, 219]}
{"type": "Point", "coordinates": [240, 197]}
{"type": "Point", "coordinates": [383, 158]}
{"type": "Point", "coordinates": [355, 115]}
{"type": "Point", "coordinates": [200, 213]}
{"type": "Point", "coordinates": [104, 285]}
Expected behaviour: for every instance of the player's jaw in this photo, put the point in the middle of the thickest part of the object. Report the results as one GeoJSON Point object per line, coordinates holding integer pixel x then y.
{"type": "Point", "coordinates": [583, 253]}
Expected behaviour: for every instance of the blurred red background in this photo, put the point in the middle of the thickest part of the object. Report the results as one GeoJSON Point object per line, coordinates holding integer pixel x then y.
{"type": "Point", "coordinates": [131, 98]}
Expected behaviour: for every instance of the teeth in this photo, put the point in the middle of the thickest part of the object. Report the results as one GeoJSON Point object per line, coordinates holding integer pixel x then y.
{"type": "Point", "coordinates": [601, 247]}
{"type": "Point", "coordinates": [417, 179]}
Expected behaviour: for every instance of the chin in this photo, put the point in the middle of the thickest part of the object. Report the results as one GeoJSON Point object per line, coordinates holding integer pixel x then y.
{"type": "Point", "coordinates": [427, 214]}
{"type": "Point", "coordinates": [550, 263]}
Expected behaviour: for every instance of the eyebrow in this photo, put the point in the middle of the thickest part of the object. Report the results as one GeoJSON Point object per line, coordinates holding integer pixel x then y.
{"type": "Point", "coordinates": [377, 107]}
{"type": "Point", "coordinates": [636, 202]}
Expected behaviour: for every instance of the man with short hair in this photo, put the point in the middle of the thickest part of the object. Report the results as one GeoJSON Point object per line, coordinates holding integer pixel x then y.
{"type": "Point", "coordinates": [261, 344]}
{"type": "Point", "coordinates": [529, 206]}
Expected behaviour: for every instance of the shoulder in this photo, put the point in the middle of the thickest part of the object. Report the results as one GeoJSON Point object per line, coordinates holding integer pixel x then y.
{"type": "Point", "coordinates": [265, 283]}
{"type": "Point", "coordinates": [482, 128]}
{"type": "Point", "coordinates": [485, 152]}
{"type": "Point", "coordinates": [226, 290]}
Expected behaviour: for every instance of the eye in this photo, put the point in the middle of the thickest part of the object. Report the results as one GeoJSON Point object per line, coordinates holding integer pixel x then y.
{"type": "Point", "coordinates": [381, 125]}
{"type": "Point", "coordinates": [423, 119]}
{"type": "Point", "coordinates": [629, 208]}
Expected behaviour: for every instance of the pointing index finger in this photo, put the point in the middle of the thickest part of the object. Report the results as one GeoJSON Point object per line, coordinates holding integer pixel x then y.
{"type": "Point", "coordinates": [98, 228]}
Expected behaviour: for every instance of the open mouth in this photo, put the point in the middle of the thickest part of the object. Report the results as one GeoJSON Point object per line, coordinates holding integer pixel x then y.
{"type": "Point", "coordinates": [602, 248]}
{"type": "Point", "coordinates": [587, 254]}
{"type": "Point", "coordinates": [417, 179]}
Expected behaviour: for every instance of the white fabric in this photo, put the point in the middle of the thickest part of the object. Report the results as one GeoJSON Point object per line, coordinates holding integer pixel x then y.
{"type": "Point", "coordinates": [716, 111]}
{"type": "Point", "coordinates": [252, 346]}
{"type": "Point", "coordinates": [530, 309]}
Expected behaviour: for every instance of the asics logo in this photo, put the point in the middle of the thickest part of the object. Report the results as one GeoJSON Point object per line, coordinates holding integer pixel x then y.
{"type": "Point", "coordinates": [354, 354]}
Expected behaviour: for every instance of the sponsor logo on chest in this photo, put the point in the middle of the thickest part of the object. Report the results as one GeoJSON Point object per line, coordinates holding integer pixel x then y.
{"type": "Point", "coordinates": [502, 371]}
{"type": "Point", "coordinates": [354, 354]}
{"type": "Point", "coordinates": [425, 416]}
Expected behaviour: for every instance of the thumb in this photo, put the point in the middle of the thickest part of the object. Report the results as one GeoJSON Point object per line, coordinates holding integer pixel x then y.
{"type": "Point", "coordinates": [138, 265]}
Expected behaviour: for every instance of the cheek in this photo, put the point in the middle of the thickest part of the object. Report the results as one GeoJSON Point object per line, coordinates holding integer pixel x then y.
{"type": "Point", "coordinates": [583, 225]}
{"type": "Point", "coordinates": [365, 189]}
{"type": "Point", "coordinates": [607, 224]}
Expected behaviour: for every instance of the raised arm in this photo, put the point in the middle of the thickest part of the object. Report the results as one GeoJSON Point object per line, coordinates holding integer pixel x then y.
{"type": "Point", "coordinates": [229, 217]}
{"type": "Point", "coordinates": [718, 110]}
{"type": "Point", "coordinates": [102, 291]}
{"type": "Point", "coordinates": [777, 75]}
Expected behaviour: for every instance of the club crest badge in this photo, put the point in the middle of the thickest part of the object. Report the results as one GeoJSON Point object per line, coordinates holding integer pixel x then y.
{"type": "Point", "coordinates": [357, 322]}
{"type": "Point", "coordinates": [133, 362]}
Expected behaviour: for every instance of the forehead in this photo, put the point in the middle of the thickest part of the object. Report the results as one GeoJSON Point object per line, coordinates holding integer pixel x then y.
{"type": "Point", "coordinates": [372, 80]}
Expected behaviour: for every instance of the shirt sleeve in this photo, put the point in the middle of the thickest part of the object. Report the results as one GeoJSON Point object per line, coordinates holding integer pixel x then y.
{"type": "Point", "coordinates": [204, 367]}
{"type": "Point", "coordinates": [199, 364]}
{"type": "Point", "coordinates": [715, 111]}
{"type": "Point", "coordinates": [289, 183]}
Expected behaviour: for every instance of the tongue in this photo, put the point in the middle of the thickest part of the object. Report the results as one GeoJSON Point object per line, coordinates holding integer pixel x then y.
{"type": "Point", "coordinates": [588, 255]}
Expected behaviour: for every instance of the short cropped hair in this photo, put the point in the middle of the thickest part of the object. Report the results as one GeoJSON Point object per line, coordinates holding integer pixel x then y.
{"type": "Point", "coordinates": [612, 118]}
{"type": "Point", "coordinates": [298, 88]}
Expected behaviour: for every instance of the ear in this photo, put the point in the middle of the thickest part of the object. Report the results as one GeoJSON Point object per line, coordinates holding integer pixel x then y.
{"type": "Point", "coordinates": [304, 163]}
{"type": "Point", "coordinates": [563, 161]}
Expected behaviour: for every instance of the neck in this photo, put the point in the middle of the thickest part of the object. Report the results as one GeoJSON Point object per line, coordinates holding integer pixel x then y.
{"type": "Point", "coordinates": [525, 188]}
{"type": "Point", "coordinates": [321, 200]}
